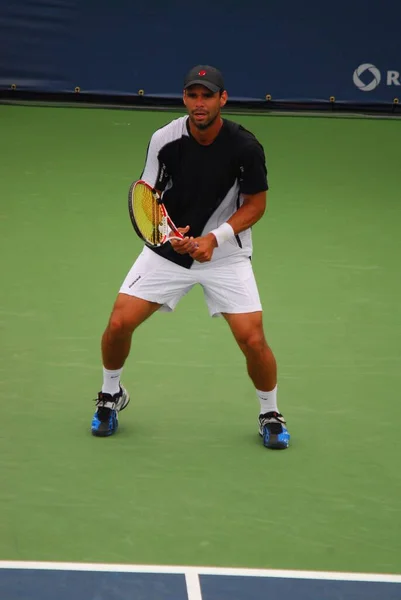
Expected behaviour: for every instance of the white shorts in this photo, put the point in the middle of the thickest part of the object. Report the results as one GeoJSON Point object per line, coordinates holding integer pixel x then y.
{"type": "Point", "coordinates": [228, 288]}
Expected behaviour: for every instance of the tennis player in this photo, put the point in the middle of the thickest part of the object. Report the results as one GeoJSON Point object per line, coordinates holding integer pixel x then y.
{"type": "Point", "coordinates": [212, 175]}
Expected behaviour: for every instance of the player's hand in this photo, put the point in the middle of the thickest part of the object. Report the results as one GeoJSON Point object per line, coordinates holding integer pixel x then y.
{"type": "Point", "coordinates": [205, 246]}
{"type": "Point", "coordinates": [186, 245]}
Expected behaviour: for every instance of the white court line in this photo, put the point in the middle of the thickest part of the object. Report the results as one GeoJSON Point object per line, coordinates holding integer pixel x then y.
{"type": "Point", "coordinates": [183, 570]}
{"type": "Point", "coordinates": [193, 585]}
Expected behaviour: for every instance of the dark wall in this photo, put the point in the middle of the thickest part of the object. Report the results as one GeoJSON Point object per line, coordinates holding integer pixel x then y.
{"type": "Point", "coordinates": [290, 49]}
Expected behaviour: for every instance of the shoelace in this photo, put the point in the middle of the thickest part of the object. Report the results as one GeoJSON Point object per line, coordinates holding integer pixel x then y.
{"type": "Point", "coordinates": [103, 412]}
{"type": "Point", "coordinates": [276, 426]}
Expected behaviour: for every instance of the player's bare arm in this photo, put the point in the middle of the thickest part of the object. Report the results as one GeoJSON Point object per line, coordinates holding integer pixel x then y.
{"type": "Point", "coordinates": [251, 211]}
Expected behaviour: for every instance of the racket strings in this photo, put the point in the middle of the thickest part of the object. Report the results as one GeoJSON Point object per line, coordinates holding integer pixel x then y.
{"type": "Point", "coordinates": [148, 214]}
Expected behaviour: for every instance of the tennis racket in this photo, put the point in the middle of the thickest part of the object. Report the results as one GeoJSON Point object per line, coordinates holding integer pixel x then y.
{"type": "Point", "coordinates": [149, 216]}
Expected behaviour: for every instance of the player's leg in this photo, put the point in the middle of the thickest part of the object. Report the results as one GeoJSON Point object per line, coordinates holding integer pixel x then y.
{"type": "Point", "coordinates": [153, 283]}
{"type": "Point", "coordinates": [128, 313]}
{"type": "Point", "coordinates": [231, 291]}
{"type": "Point", "coordinates": [247, 329]}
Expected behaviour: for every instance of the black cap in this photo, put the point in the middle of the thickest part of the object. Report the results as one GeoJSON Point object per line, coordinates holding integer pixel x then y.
{"type": "Point", "coordinates": [205, 75]}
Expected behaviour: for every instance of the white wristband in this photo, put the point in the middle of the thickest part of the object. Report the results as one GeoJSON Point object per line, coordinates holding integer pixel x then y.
{"type": "Point", "coordinates": [223, 233]}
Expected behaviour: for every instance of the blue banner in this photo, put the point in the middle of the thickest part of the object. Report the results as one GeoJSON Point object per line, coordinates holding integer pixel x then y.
{"type": "Point", "coordinates": [292, 51]}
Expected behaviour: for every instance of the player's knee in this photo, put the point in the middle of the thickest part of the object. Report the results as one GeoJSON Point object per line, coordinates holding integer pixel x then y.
{"type": "Point", "coordinates": [253, 341]}
{"type": "Point", "coordinates": [118, 325]}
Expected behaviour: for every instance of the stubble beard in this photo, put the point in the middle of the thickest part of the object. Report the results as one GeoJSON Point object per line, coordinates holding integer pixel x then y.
{"type": "Point", "coordinates": [203, 126]}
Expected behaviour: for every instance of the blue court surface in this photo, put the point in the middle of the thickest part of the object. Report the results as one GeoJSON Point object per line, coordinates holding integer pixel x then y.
{"type": "Point", "coordinates": [70, 581]}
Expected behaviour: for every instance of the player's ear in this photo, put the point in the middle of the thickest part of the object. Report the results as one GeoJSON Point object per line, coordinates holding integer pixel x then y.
{"type": "Point", "coordinates": [223, 99]}
{"type": "Point", "coordinates": [184, 97]}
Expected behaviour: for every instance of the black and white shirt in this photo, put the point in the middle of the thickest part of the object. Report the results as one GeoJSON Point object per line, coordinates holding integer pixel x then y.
{"type": "Point", "coordinates": [202, 186]}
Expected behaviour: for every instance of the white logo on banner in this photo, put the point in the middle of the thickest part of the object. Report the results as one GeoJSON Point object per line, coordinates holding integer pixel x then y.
{"type": "Point", "coordinates": [376, 77]}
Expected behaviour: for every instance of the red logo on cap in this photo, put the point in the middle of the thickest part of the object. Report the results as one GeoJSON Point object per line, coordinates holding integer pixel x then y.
{"type": "Point", "coordinates": [202, 73]}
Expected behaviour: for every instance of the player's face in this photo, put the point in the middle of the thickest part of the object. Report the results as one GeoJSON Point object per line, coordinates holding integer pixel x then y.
{"type": "Point", "coordinates": [203, 105]}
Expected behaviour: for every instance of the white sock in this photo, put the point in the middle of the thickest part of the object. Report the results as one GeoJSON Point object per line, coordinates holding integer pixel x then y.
{"type": "Point", "coordinates": [268, 401]}
{"type": "Point", "coordinates": [111, 381]}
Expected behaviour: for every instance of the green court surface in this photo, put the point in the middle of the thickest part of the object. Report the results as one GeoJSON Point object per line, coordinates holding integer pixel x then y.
{"type": "Point", "coordinates": [186, 479]}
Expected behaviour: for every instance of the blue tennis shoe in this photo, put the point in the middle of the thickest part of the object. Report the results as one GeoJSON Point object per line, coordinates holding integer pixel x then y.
{"type": "Point", "coordinates": [105, 419]}
{"type": "Point", "coordinates": [272, 428]}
